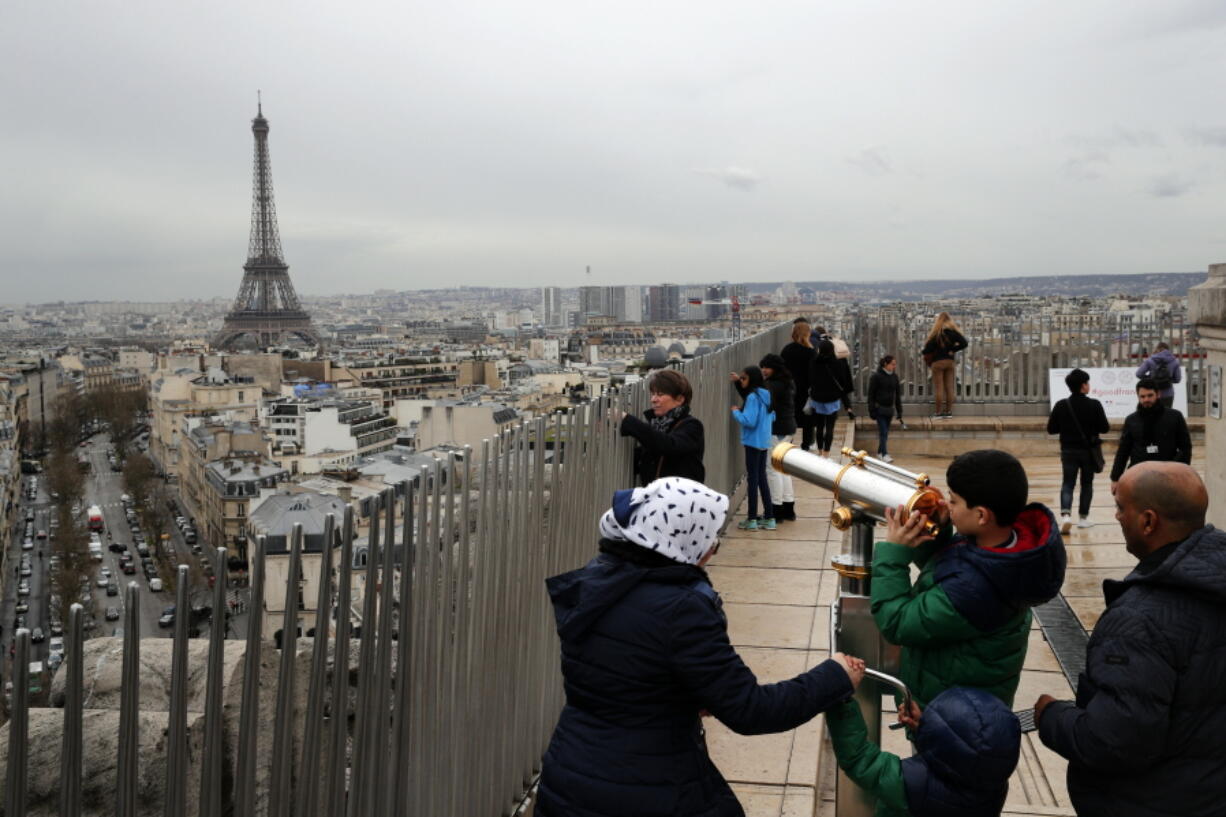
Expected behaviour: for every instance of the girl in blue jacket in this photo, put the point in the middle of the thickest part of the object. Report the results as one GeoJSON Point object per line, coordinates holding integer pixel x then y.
{"type": "Point", "coordinates": [755, 418]}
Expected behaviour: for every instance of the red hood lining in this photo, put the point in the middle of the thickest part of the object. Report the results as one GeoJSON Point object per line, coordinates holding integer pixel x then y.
{"type": "Point", "coordinates": [1033, 529]}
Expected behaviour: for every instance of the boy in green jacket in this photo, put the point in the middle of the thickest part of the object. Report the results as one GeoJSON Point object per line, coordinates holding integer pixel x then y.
{"type": "Point", "coordinates": [966, 621]}
{"type": "Point", "coordinates": [966, 747]}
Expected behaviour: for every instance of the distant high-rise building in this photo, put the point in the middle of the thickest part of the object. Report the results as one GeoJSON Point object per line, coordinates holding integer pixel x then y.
{"type": "Point", "coordinates": [551, 306]}
{"type": "Point", "coordinates": [594, 301]}
{"type": "Point", "coordinates": [664, 303]}
{"type": "Point", "coordinates": [716, 311]}
{"type": "Point", "coordinates": [627, 303]}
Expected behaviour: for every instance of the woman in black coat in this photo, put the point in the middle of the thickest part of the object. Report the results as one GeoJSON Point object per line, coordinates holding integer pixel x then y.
{"type": "Point", "coordinates": [830, 389]}
{"type": "Point", "coordinates": [783, 395]}
{"type": "Point", "coordinates": [670, 438]}
{"type": "Point", "coordinates": [798, 356]}
{"type": "Point", "coordinates": [944, 341]}
{"type": "Point", "coordinates": [885, 402]}
{"type": "Point", "coordinates": [645, 651]}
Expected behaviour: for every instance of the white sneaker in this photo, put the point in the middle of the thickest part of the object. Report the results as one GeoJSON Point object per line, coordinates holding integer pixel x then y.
{"type": "Point", "coordinates": [1066, 523]}
{"type": "Point", "coordinates": [1085, 522]}
{"type": "Point", "coordinates": [886, 458]}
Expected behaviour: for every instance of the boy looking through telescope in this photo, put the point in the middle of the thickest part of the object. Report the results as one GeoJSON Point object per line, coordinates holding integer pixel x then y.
{"type": "Point", "coordinates": [966, 620]}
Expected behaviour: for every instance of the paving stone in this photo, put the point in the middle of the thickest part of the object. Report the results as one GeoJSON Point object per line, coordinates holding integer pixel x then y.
{"type": "Point", "coordinates": [1088, 581]}
{"type": "Point", "coordinates": [819, 638]}
{"type": "Point", "coordinates": [1110, 556]}
{"type": "Point", "coordinates": [1039, 655]}
{"type": "Point", "coordinates": [805, 554]}
{"type": "Point", "coordinates": [754, 585]}
{"type": "Point", "coordinates": [775, 801]}
{"type": "Point", "coordinates": [1088, 609]}
{"type": "Point", "coordinates": [770, 625]}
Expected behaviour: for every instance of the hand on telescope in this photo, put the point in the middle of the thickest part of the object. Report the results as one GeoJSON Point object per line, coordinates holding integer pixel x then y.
{"type": "Point", "coordinates": [902, 529]}
{"type": "Point", "coordinates": [854, 667]}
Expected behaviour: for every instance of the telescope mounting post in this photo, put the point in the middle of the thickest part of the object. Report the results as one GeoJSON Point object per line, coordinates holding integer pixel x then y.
{"type": "Point", "coordinates": [853, 631]}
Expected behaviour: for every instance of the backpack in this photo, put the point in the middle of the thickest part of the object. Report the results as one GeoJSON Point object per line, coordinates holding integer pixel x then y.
{"type": "Point", "coordinates": [1160, 373]}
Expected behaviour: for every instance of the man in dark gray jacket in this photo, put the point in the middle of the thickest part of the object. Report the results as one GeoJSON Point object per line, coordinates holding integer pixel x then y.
{"type": "Point", "coordinates": [1147, 733]}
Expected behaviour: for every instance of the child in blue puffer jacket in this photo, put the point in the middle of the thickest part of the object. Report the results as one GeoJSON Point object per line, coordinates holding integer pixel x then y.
{"type": "Point", "coordinates": [756, 419]}
{"type": "Point", "coordinates": [966, 746]}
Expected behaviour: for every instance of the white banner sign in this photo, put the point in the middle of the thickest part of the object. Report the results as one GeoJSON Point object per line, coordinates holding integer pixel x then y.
{"type": "Point", "coordinates": [1116, 389]}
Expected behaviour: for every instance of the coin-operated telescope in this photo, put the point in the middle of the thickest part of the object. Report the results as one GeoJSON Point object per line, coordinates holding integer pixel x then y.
{"type": "Point", "coordinates": [863, 488]}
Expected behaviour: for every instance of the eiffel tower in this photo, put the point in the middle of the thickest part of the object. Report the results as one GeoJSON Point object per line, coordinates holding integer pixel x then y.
{"type": "Point", "coordinates": [267, 308]}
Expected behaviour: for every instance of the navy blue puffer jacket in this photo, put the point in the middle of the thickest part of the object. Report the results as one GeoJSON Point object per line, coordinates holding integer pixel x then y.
{"type": "Point", "coordinates": [644, 650]}
{"type": "Point", "coordinates": [966, 747]}
{"type": "Point", "coordinates": [1147, 734]}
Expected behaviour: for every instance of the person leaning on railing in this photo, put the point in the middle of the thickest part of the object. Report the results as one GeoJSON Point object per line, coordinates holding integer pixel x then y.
{"type": "Point", "coordinates": [670, 438]}
{"type": "Point", "coordinates": [798, 356]}
{"type": "Point", "coordinates": [645, 653]}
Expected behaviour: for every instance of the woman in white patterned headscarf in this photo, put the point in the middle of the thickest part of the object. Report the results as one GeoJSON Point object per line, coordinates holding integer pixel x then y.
{"type": "Point", "coordinates": [645, 650]}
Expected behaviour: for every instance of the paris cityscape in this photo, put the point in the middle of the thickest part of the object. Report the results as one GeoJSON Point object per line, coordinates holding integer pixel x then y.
{"type": "Point", "coordinates": [321, 422]}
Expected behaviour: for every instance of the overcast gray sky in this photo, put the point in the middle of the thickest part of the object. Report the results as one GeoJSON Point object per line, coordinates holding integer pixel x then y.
{"type": "Point", "coordinates": [488, 143]}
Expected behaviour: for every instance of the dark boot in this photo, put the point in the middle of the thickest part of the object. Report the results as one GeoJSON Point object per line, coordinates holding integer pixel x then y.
{"type": "Point", "coordinates": [789, 512]}
{"type": "Point", "coordinates": [778, 513]}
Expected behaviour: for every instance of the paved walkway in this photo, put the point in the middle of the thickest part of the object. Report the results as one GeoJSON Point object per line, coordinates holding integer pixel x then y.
{"type": "Point", "coordinates": [777, 588]}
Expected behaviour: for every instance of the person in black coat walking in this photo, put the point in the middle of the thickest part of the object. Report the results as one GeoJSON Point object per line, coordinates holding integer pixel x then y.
{"type": "Point", "coordinates": [1147, 732]}
{"type": "Point", "coordinates": [830, 389]}
{"type": "Point", "coordinates": [885, 402]}
{"type": "Point", "coordinates": [1152, 432]}
{"type": "Point", "coordinates": [1080, 421]}
{"type": "Point", "coordinates": [783, 401]}
{"type": "Point", "coordinates": [670, 438]}
{"type": "Point", "coordinates": [798, 356]}
{"type": "Point", "coordinates": [645, 651]}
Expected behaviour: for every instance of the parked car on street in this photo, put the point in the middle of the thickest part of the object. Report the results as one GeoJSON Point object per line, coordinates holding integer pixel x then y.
{"type": "Point", "coordinates": [112, 614]}
{"type": "Point", "coordinates": [155, 585]}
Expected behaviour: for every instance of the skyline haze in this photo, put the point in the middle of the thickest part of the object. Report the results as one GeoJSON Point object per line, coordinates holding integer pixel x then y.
{"type": "Point", "coordinates": [496, 146]}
